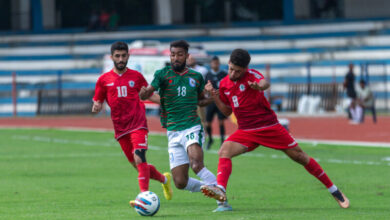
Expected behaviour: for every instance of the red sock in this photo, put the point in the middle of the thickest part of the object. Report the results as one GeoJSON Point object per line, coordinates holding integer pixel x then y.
{"type": "Point", "coordinates": [316, 170]}
{"type": "Point", "coordinates": [143, 176]}
{"type": "Point", "coordinates": [224, 171]}
{"type": "Point", "coordinates": [154, 174]}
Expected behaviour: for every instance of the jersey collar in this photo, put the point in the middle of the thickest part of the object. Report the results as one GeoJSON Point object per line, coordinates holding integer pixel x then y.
{"type": "Point", "coordinates": [181, 74]}
{"type": "Point", "coordinates": [120, 75]}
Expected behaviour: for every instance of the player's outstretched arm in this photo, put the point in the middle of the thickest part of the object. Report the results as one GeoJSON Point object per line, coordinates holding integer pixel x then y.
{"type": "Point", "coordinates": [225, 109]}
{"type": "Point", "coordinates": [146, 92]}
{"type": "Point", "coordinates": [97, 106]}
{"type": "Point", "coordinates": [260, 86]}
{"type": "Point", "coordinates": [203, 101]}
{"type": "Point", "coordinates": [155, 98]}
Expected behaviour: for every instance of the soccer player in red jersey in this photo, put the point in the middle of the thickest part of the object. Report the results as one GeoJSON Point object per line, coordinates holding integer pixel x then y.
{"type": "Point", "coordinates": [120, 88]}
{"type": "Point", "coordinates": [241, 92]}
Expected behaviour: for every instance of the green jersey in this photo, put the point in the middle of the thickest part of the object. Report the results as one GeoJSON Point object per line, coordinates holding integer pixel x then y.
{"type": "Point", "coordinates": [179, 97]}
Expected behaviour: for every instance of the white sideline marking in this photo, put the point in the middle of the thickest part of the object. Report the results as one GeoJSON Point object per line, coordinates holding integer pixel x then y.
{"type": "Point", "coordinates": [157, 148]}
{"type": "Point", "coordinates": [346, 143]}
{"type": "Point", "coordinates": [300, 140]}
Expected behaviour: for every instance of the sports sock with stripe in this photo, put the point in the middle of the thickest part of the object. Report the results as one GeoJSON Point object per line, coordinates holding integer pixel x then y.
{"type": "Point", "coordinates": [316, 170]}
{"type": "Point", "coordinates": [224, 171]}
{"type": "Point", "coordinates": [154, 174]}
{"type": "Point", "coordinates": [143, 176]}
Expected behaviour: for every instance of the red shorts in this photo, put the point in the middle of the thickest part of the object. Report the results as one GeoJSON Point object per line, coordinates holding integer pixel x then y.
{"type": "Point", "coordinates": [274, 136]}
{"type": "Point", "coordinates": [137, 139]}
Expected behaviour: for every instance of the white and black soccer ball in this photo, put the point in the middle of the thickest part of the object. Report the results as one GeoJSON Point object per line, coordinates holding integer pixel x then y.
{"type": "Point", "coordinates": [147, 203]}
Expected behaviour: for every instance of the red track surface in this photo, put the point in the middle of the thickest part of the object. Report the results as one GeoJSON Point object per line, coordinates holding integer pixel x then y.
{"type": "Point", "coordinates": [329, 128]}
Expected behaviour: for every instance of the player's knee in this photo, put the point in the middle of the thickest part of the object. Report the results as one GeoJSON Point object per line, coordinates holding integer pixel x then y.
{"type": "Point", "coordinates": [300, 157]}
{"type": "Point", "coordinates": [180, 182]}
{"type": "Point", "coordinates": [196, 166]}
{"type": "Point", "coordinates": [303, 158]}
{"type": "Point", "coordinates": [224, 151]}
{"type": "Point", "coordinates": [141, 154]}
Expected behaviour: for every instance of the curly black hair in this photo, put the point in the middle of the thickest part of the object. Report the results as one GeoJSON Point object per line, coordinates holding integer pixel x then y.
{"type": "Point", "coordinates": [119, 45]}
{"type": "Point", "coordinates": [240, 57]}
{"type": "Point", "coordinates": [180, 43]}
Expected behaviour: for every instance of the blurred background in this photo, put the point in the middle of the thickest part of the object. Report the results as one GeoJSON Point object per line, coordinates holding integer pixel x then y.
{"type": "Point", "coordinates": [53, 51]}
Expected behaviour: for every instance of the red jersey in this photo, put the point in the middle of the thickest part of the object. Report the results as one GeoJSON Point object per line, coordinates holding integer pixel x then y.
{"type": "Point", "coordinates": [121, 94]}
{"type": "Point", "coordinates": [250, 107]}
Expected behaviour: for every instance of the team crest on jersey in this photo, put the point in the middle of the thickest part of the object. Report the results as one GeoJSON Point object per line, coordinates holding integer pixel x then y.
{"type": "Point", "coordinates": [131, 83]}
{"type": "Point", "coordinates": [192, 82]}
{"type": "Point", "coordinates": [242, 87]}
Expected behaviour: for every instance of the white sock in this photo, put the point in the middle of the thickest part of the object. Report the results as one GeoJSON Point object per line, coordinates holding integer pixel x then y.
{"type": "Point", "coordinates": [332, 189]}
{"type": "Point", "coordinates": [222, 188]}
{"type": "Point", "coordinates": [193, 185]}
{"type": "Point", "coordinates": [206, 176]}
{"type": "Point", "coordinates": [225, 203]}
{"type": "Point", "coordinates": [165, 180]}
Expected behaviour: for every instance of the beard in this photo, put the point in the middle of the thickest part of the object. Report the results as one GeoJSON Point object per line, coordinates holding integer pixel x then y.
{"type": "Point", "coordinates": [177, 67]}
{"type": "Point", "coordinates": [120, 68]}
{"type": "Point", "coordinates": [233, 78]}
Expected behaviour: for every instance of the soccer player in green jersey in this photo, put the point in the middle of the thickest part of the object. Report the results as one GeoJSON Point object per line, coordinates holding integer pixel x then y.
{"type": "Point", "coordinates": [181, 91]}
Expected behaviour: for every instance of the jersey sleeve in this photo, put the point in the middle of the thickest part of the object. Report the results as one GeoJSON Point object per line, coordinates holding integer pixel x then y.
{"type": "Point", "coordinates": [256, 76]}
{"type": "Point", "coordinates": [223, 97]}
{"type": "Point", "coordinates": [157, 80]}
{"type": "Point", "coordinates": [100, 91]}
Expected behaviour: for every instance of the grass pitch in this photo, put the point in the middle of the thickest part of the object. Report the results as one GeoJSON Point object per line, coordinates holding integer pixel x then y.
{"type": "Point", "coordinates": [55, 174]}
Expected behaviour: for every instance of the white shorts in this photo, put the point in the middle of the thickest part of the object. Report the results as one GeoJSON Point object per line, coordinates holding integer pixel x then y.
{"type": "Point", "coordinates": [178, 142]}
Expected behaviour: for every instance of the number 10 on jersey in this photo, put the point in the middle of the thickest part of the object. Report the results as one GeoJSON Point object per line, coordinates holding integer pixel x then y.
{"type": "Point", "coordinates": [122, 91]}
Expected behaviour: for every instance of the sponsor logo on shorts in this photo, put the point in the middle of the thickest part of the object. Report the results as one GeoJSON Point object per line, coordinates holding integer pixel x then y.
{"type": "Point", "coordinates": [110, 84]}
{"type": "Point", "coordinates": [131, 83]}
{"type": "Point", "coordinates": [192, 82]}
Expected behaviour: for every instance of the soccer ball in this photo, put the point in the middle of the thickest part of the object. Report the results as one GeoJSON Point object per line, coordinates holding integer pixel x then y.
{"type": "Point", "coordinates": [147, 203]}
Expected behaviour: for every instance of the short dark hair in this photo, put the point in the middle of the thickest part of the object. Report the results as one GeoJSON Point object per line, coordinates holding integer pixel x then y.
{"type": "Point", "coordinates": [216, 58]}
{"type": "Point", "coordinates": [180, 43]}
{"type": "Point", "coordinates": [119, 45]}
{"type": "Point", "coordinates": [240, 57]}
{"type": "Point", "coordinates": [363, 81]}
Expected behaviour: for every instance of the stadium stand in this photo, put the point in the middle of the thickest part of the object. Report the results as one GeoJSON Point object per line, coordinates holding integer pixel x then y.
{"type": "Point", "coordinates": [303, 54]}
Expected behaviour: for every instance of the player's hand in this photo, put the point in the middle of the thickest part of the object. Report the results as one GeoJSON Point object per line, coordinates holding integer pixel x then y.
{"type": "Point", "coordinates": [143, 93]}
{"type": "Point", "coordinates": [97, 106]}
{"type": "Point", "coordinates": [216, 92]}
{"type": "Point", "coordinates": [209, 87]}
{"type": "Point", "coordinates": [254, 85]}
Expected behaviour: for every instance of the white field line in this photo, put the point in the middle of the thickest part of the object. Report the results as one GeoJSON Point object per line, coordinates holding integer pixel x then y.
{"type": "Point", "coordinates": [345, 143]}
{"type": "Point", "coordinates": [314, 142]}
{"type": "Point", "coordinates": [384, 161]}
